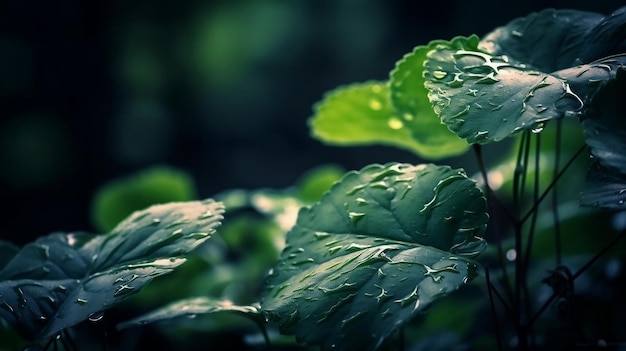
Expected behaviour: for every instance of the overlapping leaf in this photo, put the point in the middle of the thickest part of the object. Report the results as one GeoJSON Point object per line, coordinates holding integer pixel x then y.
{"type": "Point", "coordinates": [64, 278]}
{"type": "Point", "coordinates": [552, 40]}
{"type": "Point", "coordinates": [192, 307]}
{"type": "Point", "coordinates": [604, 122]}
{"type": "Point", "coordinates": [604, 188]}
{"type": "Point", "coordinates": [486, 98]}
{"type": "Point", "coordinates": [363, 114]}
{"type": "Point", "coordinates": [376, 250]}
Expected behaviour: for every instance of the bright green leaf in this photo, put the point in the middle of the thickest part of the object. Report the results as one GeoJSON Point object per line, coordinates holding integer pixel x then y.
{"type": "Point", "coordinates": [410, 99]}
{"type": "Point", "coordinates": [63, 279]}
{"type": "Point", "coordinates": [362, 114]}
{"type": "Point", "coordinates": [376, 250]}
{"type": "Point", "coordinates": [486, 98]}
{"type": "Point", "coordinates": [314, 183]}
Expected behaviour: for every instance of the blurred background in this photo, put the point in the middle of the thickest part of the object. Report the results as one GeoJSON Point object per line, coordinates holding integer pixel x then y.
{"type": "Point", "coordinates": [94, 90]}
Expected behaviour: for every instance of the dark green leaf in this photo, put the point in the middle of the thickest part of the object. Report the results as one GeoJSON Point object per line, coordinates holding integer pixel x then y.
{"type": "Point", "coordinates": [376, 250]}
{"type": "Point", "coordinates": [193, 307]}
{"type": "Point", "coordinates": [604, 120]}
{"type": "Point", "coordinates": [62, 279]}
{"type": "Point", "coordinates": [7, 251]}
{"type": "Point", "coordinates": [604, 188]}
{"type": "Point", "coordinates": [362, 114]}
{"type": "Point", "coordinates": [486, 98]}
{"type": "Point", "coordinates": [549, 40]}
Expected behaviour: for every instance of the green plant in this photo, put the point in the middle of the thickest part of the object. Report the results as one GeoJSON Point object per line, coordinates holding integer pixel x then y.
{"type": "Point", "coordinates": [362, 263]}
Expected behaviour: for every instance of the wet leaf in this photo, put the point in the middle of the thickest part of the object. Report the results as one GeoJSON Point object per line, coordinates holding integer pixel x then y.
{"type": "Point", "coordinates": [604, 122]}
{"type": "Point", "coordinates": [548, 40]}
{"type": "Point", "coordinates": [7, 251]}
{"type": "Point", "coordinates": [604, 188]}
{"type": "Point", "coordinates": [410, 100]}
{"type": "Point", "coordinates": [362, 114]}
{"type": "Point", "coordinates": [486, 98]}
{"type": "Point", "coordinates": [382, 245]}
{"type": "Point", "coordinates": [61, 279]}
{"type": "Point", "coordinates": [193, 307]}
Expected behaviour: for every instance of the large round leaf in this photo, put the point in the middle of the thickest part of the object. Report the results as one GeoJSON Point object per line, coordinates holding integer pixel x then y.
{"type": "Point", "coordinates": [376, 250]}
{"type": "Point", "coordinates": [62, 279]}
{"type": "Point", "coordinates": [552, 39]}
{"type": "Point", "coordinates": [486, 98]}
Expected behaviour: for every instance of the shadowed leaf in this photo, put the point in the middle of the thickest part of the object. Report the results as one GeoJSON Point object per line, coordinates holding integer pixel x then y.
{"type": "Point", "coordinates": [382, 245]}
{"type": "Point", "coordinates": [62, 279]}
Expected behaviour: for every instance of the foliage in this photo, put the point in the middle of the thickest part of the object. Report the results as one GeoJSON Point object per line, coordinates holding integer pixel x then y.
{"type": "Point", "coordinates": [357, 267]}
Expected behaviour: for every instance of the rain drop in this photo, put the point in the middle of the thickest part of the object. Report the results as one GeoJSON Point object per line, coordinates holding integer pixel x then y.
{"type": "Point", "coordinates": [96, 317]}
{"type": "Point", "coordinates": [538, 128]}
{"type": "Point", "coordinates": [355, 217]}
{"type": "Point", "coordinates": [395, 123]}
{"type": "Point", "coordinates": [439, 74]}
{"type": "Point", "coordinates": [375, 105]}
{"type": "Point", "coordinates": [81, 302]}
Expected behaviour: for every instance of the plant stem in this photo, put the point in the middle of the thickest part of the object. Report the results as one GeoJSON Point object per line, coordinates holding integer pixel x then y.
{"type": "Point", "coordinates": [580, 271]}
{"type": "Point", "coordinates": [491, 199]}
{"type": "Point", "coordinates": [553, 183]}
{"type": "Point", "coordinates": [555, 204]}
{"type": "Point", "coordinates": [490, 289]}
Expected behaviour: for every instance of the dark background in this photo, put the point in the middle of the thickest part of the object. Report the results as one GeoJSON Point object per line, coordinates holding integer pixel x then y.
{"type": "Point", "coordinates": [94, 90]}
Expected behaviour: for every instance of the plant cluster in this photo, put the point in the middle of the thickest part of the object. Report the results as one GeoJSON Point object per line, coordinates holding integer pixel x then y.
{"type": "Point", "coordinates": [358, 258]}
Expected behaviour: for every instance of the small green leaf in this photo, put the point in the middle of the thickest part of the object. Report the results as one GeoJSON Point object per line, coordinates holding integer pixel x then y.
{"type": "Point", "coordinates": [119, 198]}
{"type": "Point", "coordinates": [410, 99]}
{"type": "Point", "coordinates": [193, 307]}
{"type": "Point", "coordinates": [362, 114]}
{"type": "Point", "coordinates": [486, 98]}
{"type": "Point", "coordinates": [382, 245]}
{"type": "Point", "coordinates": [62, 279]}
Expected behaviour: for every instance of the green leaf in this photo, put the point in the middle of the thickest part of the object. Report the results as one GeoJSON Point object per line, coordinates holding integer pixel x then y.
{"type": "Point", "coordinates": [604, 120]}
{"type": "Point", "coordinates": [410, 99]}
{"type": "Point", "coordinates": [376, 250]}
{"type": "Point", "coordinates": [119, 198]}
{"type": "Point", "coordinates": [552, 39]}
{"type": "Point", "coordinates": [7, 251]}
{"type": "Point", "coordinates": [317, 181]}
{"type": "Point", "coordinates": [362, 114]}
{"type": "Point", "coordinates": [486, 98]}
{"type": "Point", "coordinates": [62, 279]}
{"type": "Point", "coordinates": [192, 307]}
{"type": "Point", "coordinates": [604, 188]}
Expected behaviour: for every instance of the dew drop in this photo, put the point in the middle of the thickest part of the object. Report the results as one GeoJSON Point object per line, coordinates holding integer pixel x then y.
{"type": "Point", "coordinates": [81, 302]}
{"type": "Point", "coordinates": [123, 289]}
{"type": "Point", "coordinates": [206, 214]}
{"type": "Point", "coordinates": [321, 235]}
{"type": "Point", "coordinates": [538, 128]}
{"type": "Point", "coordinates": [375, 105]}
{"type": "Point", "coordinates": [177, 232]}
{"type": "Point", "coordinates": [355, 217]}
{"type": "Point", "coordinates": [156, 221]}
{"type": "Point", "coordinates": [439, 74]}
{"type": "Point", "coordinates": [96, 317]}
{"type": "Point", "coordinates": [395, 123]}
